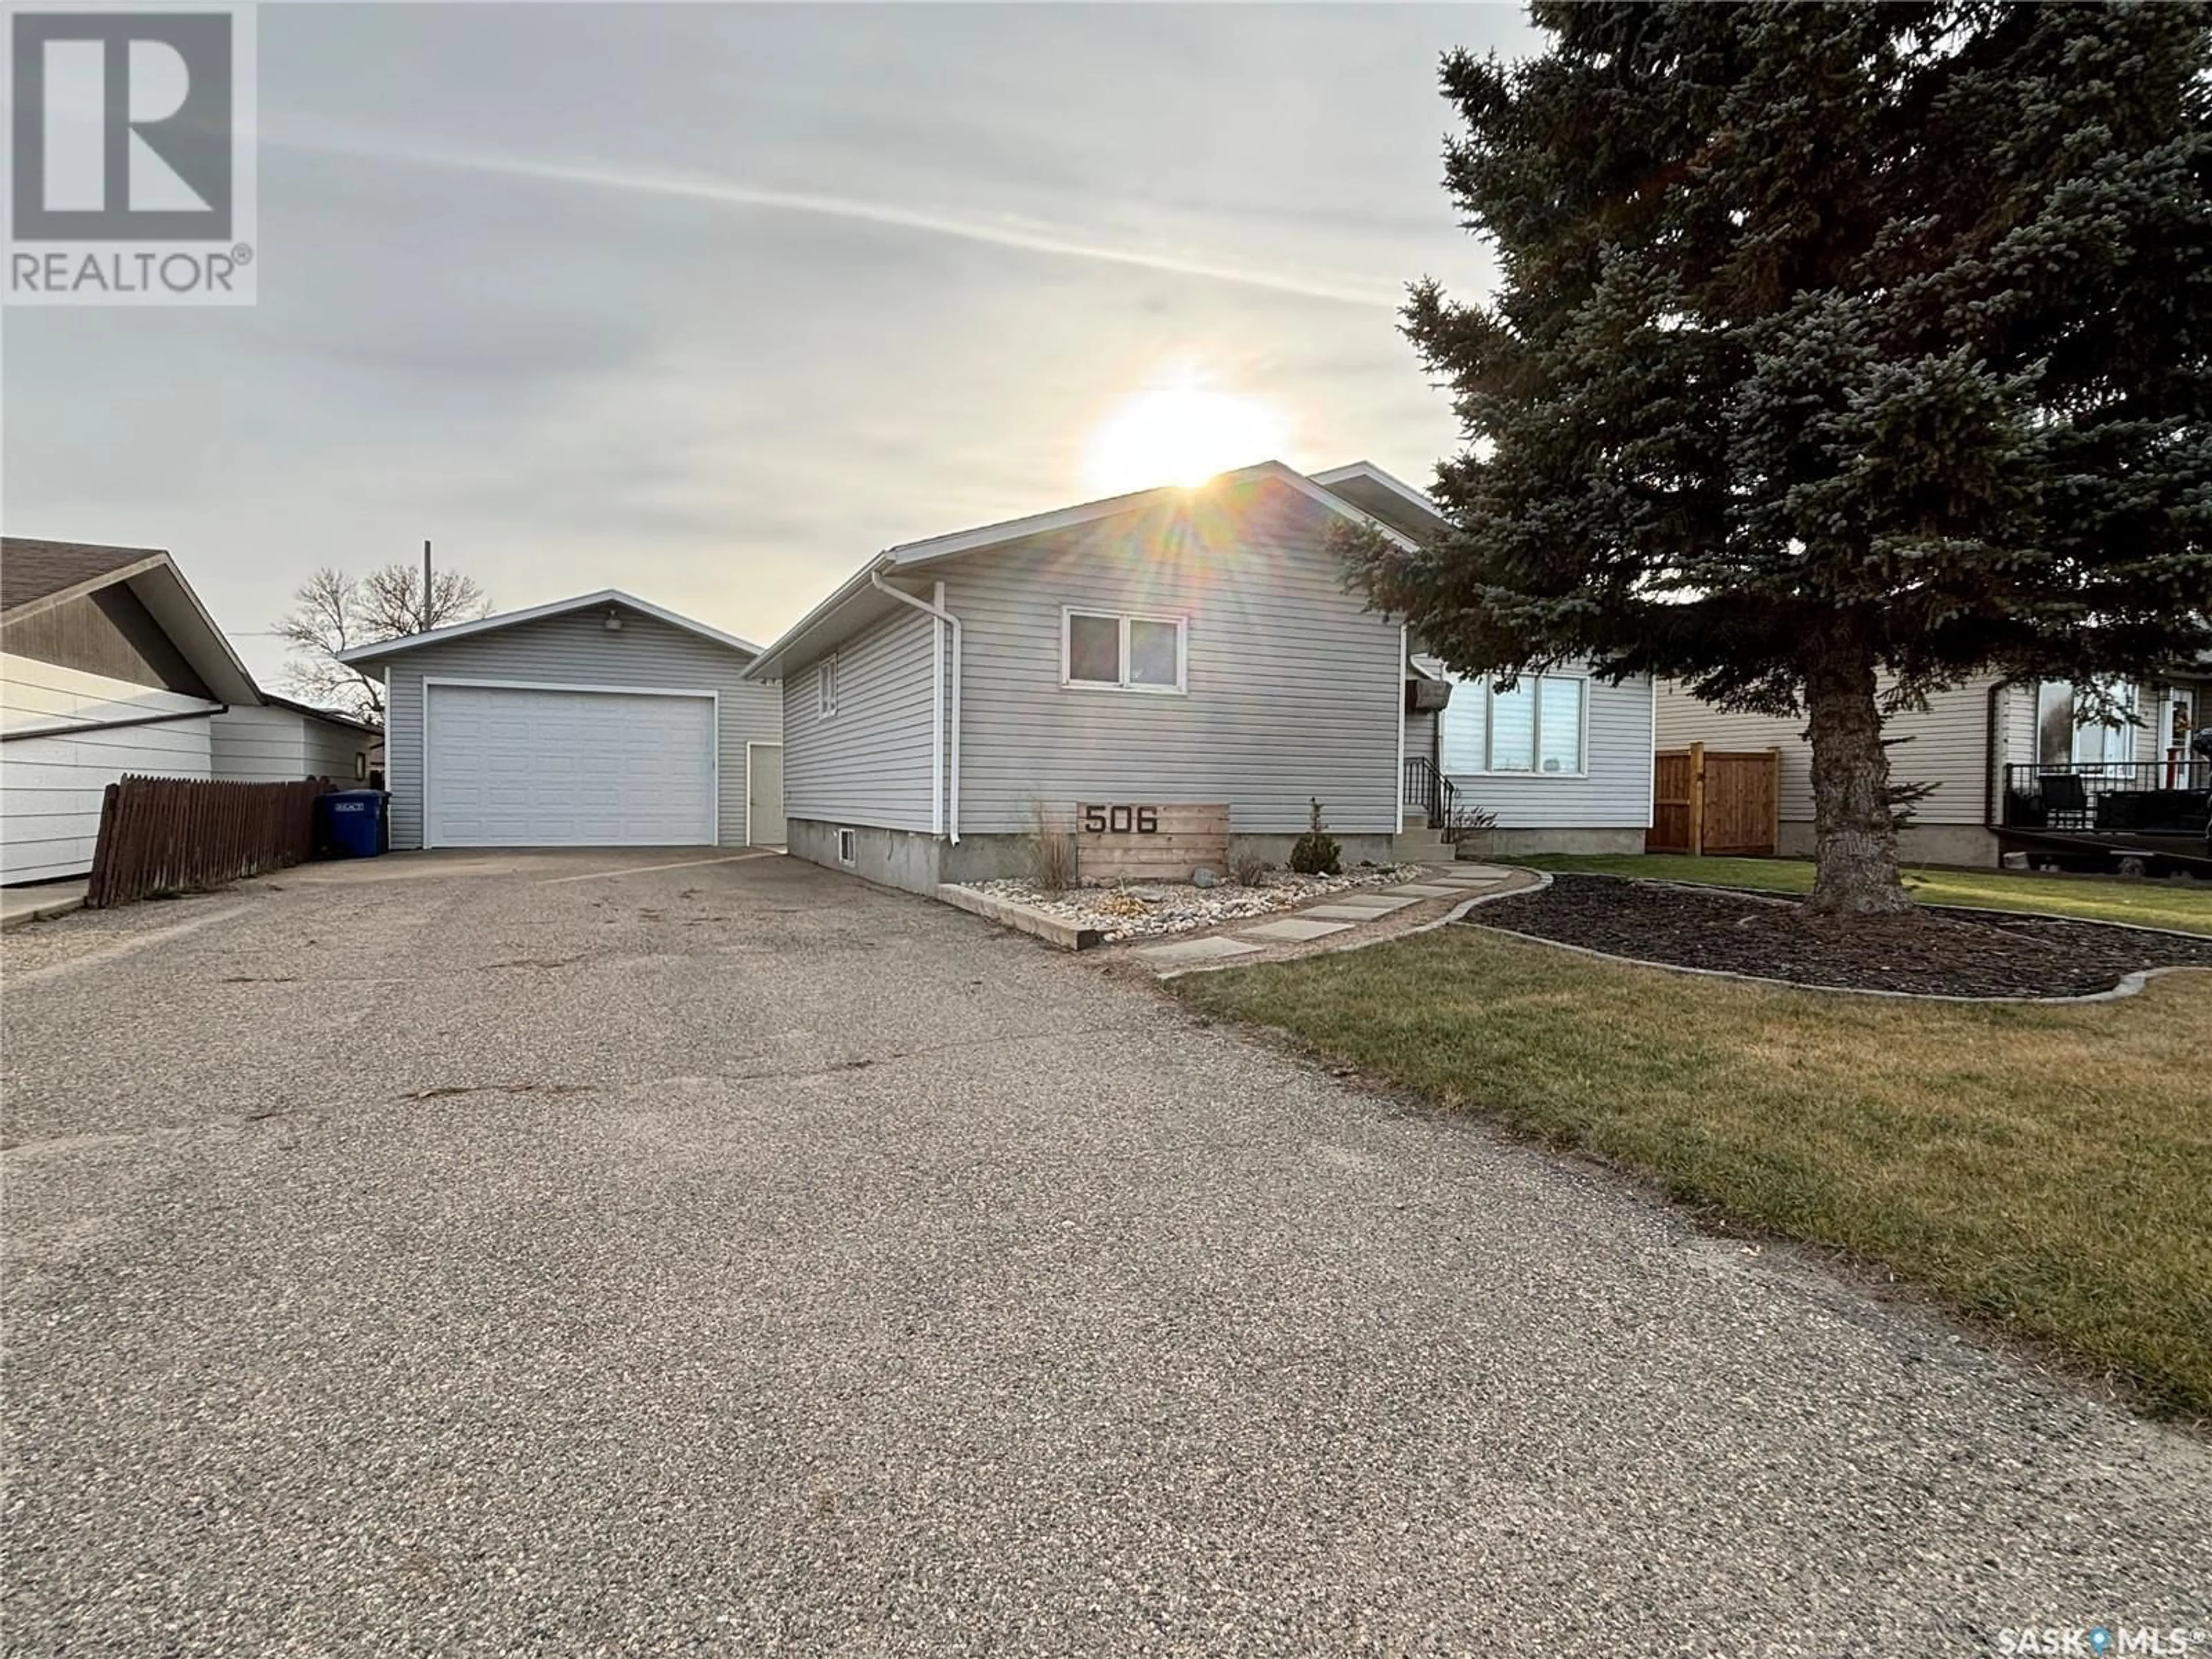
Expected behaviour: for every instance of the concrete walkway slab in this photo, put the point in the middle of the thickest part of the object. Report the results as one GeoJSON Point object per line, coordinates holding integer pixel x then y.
{"type": "Point", "coordinates": [1292, 930]}
{"type": "Point", "coordinates": [1421, 890]}
{"type": "Point", "coordinates": [1195, 950]}
{"type": "Point", "coordinates": [1380, 903]}
{"type": "Point", "coordinates": [21, 905]}
{"type": "Point", "coordinates": [1341, 913]}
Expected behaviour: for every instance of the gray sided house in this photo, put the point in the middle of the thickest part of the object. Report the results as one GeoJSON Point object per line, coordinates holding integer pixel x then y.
{"type": "Point", "coordinates": [1174, 649]}
{"type": "Point", "coordinates": [597, 722]}
{"type": "Point", "coordinates": [1991, 754]}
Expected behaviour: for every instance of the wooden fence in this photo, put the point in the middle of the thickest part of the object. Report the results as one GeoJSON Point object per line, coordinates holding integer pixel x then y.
{"type": "Point", "coordinates": [1717, 801]}
{"type": "Point", "coordinates": [170, 835]}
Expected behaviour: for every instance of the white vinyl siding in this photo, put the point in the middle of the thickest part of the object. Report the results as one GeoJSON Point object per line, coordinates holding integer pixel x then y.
{"type": "Point", "coordinates": [266, 744]}
{"type": "Point", "coordinates": [1946, 744]}
{"type": "Point", "coordinates": [336, 752]}
{"type": "Point", "coordinates": [576, 648]}
{"type": "Point", "coordinates": [1293, 690]}
{"type": "Point", "coordinates": [37, 696]}
{"type": "Point", "coordinates": [51, 787]}
{"type": "Point", "coordinates": [871, 764]}
{"type": "Point", "coordinates": [260, 744]}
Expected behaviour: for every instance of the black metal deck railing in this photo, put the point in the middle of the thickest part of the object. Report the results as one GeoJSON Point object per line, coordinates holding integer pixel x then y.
{"type": "Point", "coordinates": [1428, 790]}
{"type": "Point", "coordinates": [2152, 797]}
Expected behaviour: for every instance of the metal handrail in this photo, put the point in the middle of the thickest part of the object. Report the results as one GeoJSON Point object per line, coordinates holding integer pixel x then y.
{"type": "Point", "coordinates": [1427, 788]}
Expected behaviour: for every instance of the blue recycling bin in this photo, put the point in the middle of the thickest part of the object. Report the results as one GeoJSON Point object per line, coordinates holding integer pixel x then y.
{"type": "Point", "coordinates": [349, 823]}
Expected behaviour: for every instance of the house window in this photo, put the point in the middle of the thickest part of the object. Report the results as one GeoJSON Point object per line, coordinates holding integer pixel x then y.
{"type": "Point", "coordinates": [825, 685]}
{"type": "Point", "coordinates": [1103, 649]}
{"type": "Point", "coordinates": [1536, 728]}
{"type": "Point", "coordinates": [2068, 734]}
{"type": "Point", "coordinates": [848, 847]}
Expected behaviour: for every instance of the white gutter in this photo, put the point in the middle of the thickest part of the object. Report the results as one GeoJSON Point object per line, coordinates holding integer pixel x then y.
{"type": "Point", "coordinates": [949, 795]}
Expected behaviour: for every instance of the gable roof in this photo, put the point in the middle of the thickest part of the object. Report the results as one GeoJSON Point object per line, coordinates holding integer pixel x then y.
{"type": "Point", "coordinates": [856, 603]}
{"type": "Point", "coordinates": [1382, 494]}
{"type": "Point", "coordinates": [37, 575]}
{"type": "Point", "coordinates": [605, 597]}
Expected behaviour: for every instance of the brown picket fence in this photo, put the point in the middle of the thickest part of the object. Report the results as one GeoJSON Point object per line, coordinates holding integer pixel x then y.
{"type": "Point", "coordinates": [172, 835]}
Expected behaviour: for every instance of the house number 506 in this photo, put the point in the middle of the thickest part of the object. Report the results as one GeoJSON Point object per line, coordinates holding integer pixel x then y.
{"type": "Point", "coordinates": [1121, 820]}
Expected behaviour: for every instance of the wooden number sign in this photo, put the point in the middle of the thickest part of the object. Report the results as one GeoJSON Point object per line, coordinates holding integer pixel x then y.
{"type": "Point", "coordinates": [1148, 840]}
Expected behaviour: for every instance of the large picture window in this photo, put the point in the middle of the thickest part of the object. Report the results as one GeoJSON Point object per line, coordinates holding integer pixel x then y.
{"type": "Point", "coordinates": [1535, 729]}
{"type": "Point", "coordinates": [1104, 650]}
{"type": "Point", "coordinates": [2066, 735]}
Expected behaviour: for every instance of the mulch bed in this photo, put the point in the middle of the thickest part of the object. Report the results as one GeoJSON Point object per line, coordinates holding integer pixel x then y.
{"type": "Point", "coordinates": [1941, 952]}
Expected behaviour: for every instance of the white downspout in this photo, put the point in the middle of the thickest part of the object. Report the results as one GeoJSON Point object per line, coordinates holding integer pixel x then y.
{"type": "Point", "coordinates": [938, 611]}
{"type": "Point", "coordinates": [937, 717]}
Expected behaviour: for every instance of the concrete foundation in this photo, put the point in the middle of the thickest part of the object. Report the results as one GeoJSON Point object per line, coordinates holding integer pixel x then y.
{"type": "Point", "coordinates": [915, 861]}
{"type": "Point", "coordinates": [1506, 843]}
{"type": "Point", "coordinates": [890, 857]}
{"type": "Point", "coordinates": [1968, 844]}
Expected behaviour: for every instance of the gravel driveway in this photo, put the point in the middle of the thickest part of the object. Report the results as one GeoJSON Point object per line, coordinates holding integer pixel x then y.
{"type": "Point", "coordinates": [492, 1256]}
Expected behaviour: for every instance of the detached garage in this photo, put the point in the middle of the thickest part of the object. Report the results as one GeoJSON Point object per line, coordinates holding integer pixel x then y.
{"type": "Point", "coordinates": [598, 721]}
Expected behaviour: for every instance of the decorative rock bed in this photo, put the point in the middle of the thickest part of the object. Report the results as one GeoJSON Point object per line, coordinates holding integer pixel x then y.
{"type": "Point", "coordinates": [1939, 952]}
{"type": "Point", "coordinates": [1149, 910]}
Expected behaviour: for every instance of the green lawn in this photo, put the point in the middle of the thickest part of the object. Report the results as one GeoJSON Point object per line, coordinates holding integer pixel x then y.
{"type": "Point", "coordinates": [2093, 898]}
{"type": "Point", "coordinates": [2044, 1169]}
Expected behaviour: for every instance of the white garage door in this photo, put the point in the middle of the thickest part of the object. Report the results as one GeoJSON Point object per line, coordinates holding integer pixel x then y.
{"type": "Point", "coordinates": [523, 768]}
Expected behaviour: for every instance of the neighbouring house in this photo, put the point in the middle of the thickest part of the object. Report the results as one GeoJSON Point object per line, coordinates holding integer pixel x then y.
{"type": "Point", "coordinates": [110, 665]}
{"type": "Point", "coordinates": [1175, 648]}
{"type": "Point", "coordinates": [1991, 752]}
{"type": "Point", "coordinates": [280, 741]}
{"type": "Point", "coordinates": [597, 722]}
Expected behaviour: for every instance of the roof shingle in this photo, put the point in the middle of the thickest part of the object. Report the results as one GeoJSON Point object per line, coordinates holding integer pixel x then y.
{"type": "Point", "coordinates": [30, 570]}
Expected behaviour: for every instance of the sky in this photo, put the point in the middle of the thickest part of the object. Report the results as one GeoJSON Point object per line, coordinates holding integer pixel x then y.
{"type": "Point", "coordinates": [711, 303]}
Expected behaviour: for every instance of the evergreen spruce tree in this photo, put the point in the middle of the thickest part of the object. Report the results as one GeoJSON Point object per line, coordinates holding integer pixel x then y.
{"type": "Point", "coordinates": [1837, 352]}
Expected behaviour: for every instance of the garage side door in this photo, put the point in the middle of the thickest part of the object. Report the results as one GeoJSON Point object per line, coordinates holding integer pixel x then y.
{"type": "Point", "coordinates": [509, 767]}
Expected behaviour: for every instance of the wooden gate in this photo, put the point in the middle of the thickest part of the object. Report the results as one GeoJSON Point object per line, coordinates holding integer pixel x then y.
{"type": "Point", "coordinates": [172, 835]}
{"type": "Point", "coordinates": [1717, 801]}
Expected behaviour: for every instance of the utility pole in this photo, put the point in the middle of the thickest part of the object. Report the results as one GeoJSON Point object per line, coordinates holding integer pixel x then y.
{"type": "Point", "coordinates": [425, 627]}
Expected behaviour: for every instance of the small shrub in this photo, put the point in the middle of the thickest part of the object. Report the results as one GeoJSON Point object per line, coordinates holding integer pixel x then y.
{"type": "Point", "coordinates": [1468, 820]}
{"type": "Point", "coordinates": [1052, 855]}
{"type": "Point", "coordinates": [1316, 852]}
{"type": "Point", "coordinates": [1248, 867]}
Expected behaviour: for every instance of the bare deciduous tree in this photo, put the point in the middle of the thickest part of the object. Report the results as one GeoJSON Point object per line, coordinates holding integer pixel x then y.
{"type": "Point", "coordinates": [332, 612]}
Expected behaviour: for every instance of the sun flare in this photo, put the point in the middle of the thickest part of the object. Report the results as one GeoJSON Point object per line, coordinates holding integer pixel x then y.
{"type": "Point", "coordinates": [1181, 429]}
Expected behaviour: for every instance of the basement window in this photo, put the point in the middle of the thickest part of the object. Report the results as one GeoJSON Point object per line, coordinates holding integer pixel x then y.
{"type": "Point", "coordinates": [848, 848]}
